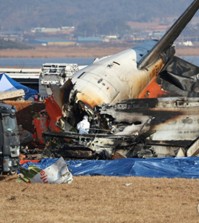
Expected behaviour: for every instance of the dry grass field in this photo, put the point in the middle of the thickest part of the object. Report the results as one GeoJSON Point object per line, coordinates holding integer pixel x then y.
{"type": "Point", "coordinates": [100, 199]}
{"type": "Point", "coordinates": [80, 51]}
{"type": "Point", "coordinates": [73, 51]}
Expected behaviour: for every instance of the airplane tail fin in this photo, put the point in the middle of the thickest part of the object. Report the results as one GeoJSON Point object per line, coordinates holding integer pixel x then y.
{"type": "Point", "coordinates": [170, 36]}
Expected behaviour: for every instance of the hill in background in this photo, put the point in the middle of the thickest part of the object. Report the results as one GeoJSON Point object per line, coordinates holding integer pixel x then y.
{"type": "Point", "coordinates": [88, 16]}
{"type": "Point", "coordinates": [67, 22]}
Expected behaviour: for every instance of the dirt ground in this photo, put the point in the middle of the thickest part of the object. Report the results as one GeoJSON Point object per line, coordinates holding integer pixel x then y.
{"type": "Point", "coordinates": [100, 199]}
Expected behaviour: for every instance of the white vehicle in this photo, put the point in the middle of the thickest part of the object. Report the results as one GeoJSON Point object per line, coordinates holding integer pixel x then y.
{"type": "Point", "coordinates": [54, 74]}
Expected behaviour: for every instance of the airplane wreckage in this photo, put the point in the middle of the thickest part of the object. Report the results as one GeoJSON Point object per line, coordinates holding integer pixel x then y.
{"type": "Point", "coordinates": [142, 102]}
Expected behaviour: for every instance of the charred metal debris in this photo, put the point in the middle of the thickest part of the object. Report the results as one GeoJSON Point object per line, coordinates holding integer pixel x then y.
{"type": "Point", "coordinates": [134, 128]}
{"type": "Point", "coordinates": [141, 102]}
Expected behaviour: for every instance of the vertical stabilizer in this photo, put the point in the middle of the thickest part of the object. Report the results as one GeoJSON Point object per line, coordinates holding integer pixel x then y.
{"type": "Point", "coordinates": [170, 36]}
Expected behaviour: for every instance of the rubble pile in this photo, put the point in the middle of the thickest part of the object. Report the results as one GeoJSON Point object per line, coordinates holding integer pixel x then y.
{"type": "Point", "coordinates": [139, 103]}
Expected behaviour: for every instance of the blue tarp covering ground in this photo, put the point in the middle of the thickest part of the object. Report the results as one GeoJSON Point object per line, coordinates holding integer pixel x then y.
{"type": "Point", "coordinates": [154, 167]}
{"type": "Point", "coordinates": [8, 84]}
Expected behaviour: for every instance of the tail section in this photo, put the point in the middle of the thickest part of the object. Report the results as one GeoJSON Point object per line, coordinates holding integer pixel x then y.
{"type": "Point", "coordinates": [170, 36]}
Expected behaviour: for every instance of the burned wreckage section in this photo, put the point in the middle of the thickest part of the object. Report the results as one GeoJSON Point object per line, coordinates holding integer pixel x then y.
{"type": "Point", "coordinates": [136, 128]}
{"type": "Point", "coordinates": [147, 127]}
{"type": "Point", "coordinates": [141, 102]}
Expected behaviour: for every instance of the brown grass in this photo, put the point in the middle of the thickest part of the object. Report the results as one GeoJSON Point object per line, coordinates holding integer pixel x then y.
{"type": "Point", "coordinates": [101, 199]}
{"type": "Point", "coordinates": [47, 52]}
{"type": "Point", "coordinates": [78, 51]}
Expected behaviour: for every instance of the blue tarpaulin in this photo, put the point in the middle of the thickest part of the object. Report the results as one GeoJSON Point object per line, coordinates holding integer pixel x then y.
{"type": "Point", "coordinates": [153, 167]}
{"type": "Point", "coordinates": [8, 84]}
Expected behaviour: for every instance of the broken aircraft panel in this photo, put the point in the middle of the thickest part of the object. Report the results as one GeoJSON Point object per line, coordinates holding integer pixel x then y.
{"type": "Point", "coordinates": [165, 119]}
{"type": "Point", "coordinates": [181, 73]}
{"type": "Point", "coordinates": [140, 128]}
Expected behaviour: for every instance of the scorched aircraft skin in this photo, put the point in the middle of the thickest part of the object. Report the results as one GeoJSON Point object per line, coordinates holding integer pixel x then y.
{"type": "Point", "coordinates": [155, 127]}
{"type": "Point", "coordinates": [123, 80]}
